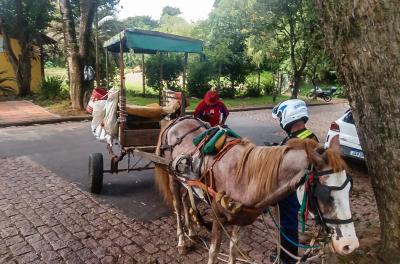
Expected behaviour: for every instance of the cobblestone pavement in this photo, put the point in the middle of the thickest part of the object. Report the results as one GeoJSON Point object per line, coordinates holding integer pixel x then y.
{"type": "Point", "coordinates": [44, 219]}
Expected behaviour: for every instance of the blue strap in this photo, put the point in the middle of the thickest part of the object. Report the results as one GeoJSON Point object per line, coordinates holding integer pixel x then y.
{"type": "Point", "coordinates": [287, 238]}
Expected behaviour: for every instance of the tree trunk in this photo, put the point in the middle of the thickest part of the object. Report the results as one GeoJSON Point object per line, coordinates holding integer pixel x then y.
{"type": "Point", "coordinates": [24, 70]}
{"type": "Point", "coordinates": [74, 64]}
{"type": "Point", "coordinates": [219, 75]}
{"type": "Point", "coordinates": [364, 41]}
{"type": "Point", "coordinates": [296, 85]}
{"type": "Point", "coordinates": [88, 10]}
{"type": "Point", "coordinates": [258, 80]}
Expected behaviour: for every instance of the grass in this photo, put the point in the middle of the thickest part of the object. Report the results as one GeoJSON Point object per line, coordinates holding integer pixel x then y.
{"type": "Point", "coordinates": [134, 89]}
{"type": "Point", "coordinates": [56, 71]}
{"type": "Point", "coordinates": [230, 103]}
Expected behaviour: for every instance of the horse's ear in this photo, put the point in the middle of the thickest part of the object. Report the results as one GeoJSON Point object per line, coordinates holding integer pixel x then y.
{"type": "Point", "coordinates": [334, 144]}
{"type": "Point", "coordinates": [314, 156]}
{"type": "Point", "coordinates": [317, 159]}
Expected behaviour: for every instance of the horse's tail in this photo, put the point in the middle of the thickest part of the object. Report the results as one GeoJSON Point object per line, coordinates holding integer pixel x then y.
{"type": "Point", "coordinates": [162, 183]}
{"type": "Point", "coordinates": [161, 175]}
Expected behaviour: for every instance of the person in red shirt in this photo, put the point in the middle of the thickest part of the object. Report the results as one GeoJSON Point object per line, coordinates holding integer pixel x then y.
{"type": "Point", "coordinates": [211, 108]}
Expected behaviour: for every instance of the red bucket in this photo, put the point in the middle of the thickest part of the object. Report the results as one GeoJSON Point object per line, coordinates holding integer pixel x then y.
{"type": "Point", "coordinates": [97, 94]}
{"type": "Point", "coordinates": [178, 96]}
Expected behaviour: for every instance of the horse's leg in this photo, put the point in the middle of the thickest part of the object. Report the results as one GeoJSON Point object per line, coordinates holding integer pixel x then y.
{"type": "Point", "coordinates": [234, 243]}
{"type": "Point", "coordinates": [215, 242]}
{"type": "Point", "coordinates": [186, 208]}
{"type": "Point", "coordinates": [175, 189]}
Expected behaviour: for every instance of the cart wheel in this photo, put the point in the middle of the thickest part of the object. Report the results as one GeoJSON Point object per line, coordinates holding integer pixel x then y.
{"type": "Point", "coordinates": [96, 172]}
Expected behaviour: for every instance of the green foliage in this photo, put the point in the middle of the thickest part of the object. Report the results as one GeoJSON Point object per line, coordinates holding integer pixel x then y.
{"type": "Point", "coordinates": [170, 11]}
{"type": "Point", "coordinates": [266, 84]}
{"type": "Point", "coordinates": [252, 90]}
{"type": "Point", "coordinates": [172, 69]}
{"type": "Point", "coordinates": [52, 88]}
{"type": "Point", "coordinates": [227, 27]}
{"type": "Point", "coordinates": [199, 76]}
{"type": "Point", "coordinates": [35, 17]}
{"type": "Point", "coordinates": [141, 22]}
{"type": "Point", "coordinates": [227, 92]}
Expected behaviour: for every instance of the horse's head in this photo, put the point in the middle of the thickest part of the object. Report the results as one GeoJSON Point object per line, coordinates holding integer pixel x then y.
{"type": "Point", "coordinates": [327, 188]}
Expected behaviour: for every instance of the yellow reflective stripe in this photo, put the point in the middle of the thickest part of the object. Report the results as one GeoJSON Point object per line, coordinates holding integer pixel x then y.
{"type": "Point", "coordinates": [304, 134]}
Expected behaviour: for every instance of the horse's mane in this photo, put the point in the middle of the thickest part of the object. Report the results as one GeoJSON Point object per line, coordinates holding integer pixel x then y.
{"type": "Point", "coordinates": [260, 165]}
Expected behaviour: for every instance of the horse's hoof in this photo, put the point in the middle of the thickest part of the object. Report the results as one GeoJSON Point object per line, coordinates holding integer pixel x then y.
{"type": "Point", "coordinates": [182, 250]}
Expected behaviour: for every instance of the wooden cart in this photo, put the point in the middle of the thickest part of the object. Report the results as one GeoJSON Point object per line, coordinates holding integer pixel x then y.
{"type": "Point", "coordinates": [137, 137]}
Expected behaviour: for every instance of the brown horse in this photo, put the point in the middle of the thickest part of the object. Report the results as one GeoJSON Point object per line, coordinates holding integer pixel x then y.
{"type": "Point", "coordinates": [257, 177]}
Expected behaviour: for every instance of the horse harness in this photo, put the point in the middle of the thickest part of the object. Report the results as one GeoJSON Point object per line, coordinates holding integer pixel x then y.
{"type": "Point", "coordinates": [205, 181]}
{"type": "Point", "coordinates": [179, 140]}
{"type": "Point", "coordinates": [315, 191]}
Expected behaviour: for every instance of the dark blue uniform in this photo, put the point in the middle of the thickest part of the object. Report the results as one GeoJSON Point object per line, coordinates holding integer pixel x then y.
{"type": "Point", "coordinates": [289, 207]}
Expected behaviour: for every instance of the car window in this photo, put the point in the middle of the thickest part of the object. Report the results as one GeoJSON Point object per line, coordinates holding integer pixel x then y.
{"type": "Point", "coordinates": [348, 118]}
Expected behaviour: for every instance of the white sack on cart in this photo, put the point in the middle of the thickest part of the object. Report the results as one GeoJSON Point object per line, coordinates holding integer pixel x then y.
{"type": "Point", "coordinates": [98, 113]}
{"type": "Point", "coordinates": [110, 118]}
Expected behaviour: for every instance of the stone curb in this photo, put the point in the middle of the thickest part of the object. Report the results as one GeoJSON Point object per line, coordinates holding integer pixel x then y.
{"type": "Point", "coordinates": [47, 121]}
{"type": "Point", "coordinates": [89, 117]}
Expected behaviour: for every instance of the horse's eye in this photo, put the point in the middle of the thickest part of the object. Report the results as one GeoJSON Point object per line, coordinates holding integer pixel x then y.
{"type": "Point", "coordinates": [323, 194]}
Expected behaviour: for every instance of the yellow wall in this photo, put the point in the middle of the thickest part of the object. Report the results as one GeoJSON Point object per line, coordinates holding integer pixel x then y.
{"type": "Point", "coordinates": [5, 65]}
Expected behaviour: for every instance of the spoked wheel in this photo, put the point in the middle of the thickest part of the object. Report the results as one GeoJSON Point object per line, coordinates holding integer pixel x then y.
{"type": "Point", "coordinates": [310, 95]}
{"type": "Point", "coordinates": [96, 172]}
{"type": "Point", "coordinates": [327, 98]}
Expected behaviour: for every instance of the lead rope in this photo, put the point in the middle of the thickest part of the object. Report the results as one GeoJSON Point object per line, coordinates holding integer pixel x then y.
{"type": "Point", "coordinates": [310, 248]}
{"type": "Point", "coordinates": [224, 229]}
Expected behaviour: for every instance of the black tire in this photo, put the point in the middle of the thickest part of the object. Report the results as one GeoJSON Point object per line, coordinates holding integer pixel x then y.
{"type": "Point", "coordinates": [310, 95]}
{"type": "Point", "coordinates": [327, 98]}
{"type": "Point", "coordinates": [96, 172]}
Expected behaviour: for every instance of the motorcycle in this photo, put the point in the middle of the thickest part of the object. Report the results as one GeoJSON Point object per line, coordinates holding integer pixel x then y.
{"type": "Point", "coordinates": [326, 95]}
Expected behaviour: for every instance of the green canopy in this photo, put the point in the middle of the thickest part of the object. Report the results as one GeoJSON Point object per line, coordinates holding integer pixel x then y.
{"type": "Point", "coordinates": [146, 41]}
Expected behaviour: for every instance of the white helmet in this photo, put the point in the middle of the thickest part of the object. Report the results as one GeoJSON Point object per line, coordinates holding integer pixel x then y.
{"type": "Point", "coordinates": [289, 112]}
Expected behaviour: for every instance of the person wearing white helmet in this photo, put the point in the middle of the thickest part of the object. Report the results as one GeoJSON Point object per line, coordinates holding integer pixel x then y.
{"type": "Point", "coordinates": [292, 115]}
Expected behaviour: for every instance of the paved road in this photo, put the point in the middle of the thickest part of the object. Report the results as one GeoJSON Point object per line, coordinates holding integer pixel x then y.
{"type": "Point", "coordinates": [64, 149]}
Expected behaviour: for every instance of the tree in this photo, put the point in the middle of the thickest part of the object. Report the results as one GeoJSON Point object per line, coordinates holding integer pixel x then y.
{"type": "Point", "coordinates": [226, 41]}
{"type": "Point", "coordinates": [363, 40]}
{"type": "Point", "coordinates": [24, 20]}
{"type": "Point", "coordinates": [141, 22]}
{"type": "Point", "coordinates": [170, 11]}
{"type": "Point", "coordinates": [172, 69]}
{"type": "Point", "coordinates": [297, 28]}
{"type": "Point", "coordinates": [78, 43]}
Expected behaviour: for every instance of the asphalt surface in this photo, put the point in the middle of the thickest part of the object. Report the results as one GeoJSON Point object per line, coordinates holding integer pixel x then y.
{"type": "Point", "coordinates": [64, 149]}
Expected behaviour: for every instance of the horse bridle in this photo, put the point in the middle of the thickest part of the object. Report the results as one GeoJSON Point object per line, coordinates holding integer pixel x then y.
{"type": "Point", "coordinates": [318, 191]}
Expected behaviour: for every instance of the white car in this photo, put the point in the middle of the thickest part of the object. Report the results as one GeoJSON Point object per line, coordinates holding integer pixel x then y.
{"type": "Point", "coordinates": [348, 138]}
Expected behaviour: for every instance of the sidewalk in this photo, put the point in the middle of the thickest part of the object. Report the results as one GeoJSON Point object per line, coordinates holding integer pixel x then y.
{"type": "Point", "coordinates": [45, 219]}
{"type": "Point", "coordinates": [24, 113]}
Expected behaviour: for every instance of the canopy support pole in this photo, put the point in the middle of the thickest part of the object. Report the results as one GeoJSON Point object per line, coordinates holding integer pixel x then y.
{"type": "Point", "coordinates": [122, 98]}
{"type": "Point", "coordinates": [184, 72]}
{"type": "Point", "coordinates": [106, 52]}
{"type": "Point", "coordinates": [97, 49]}
{"type": "Point", "coordinates": [143, 76]}
{"type": "Point", "coordinates": [161, 78]}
